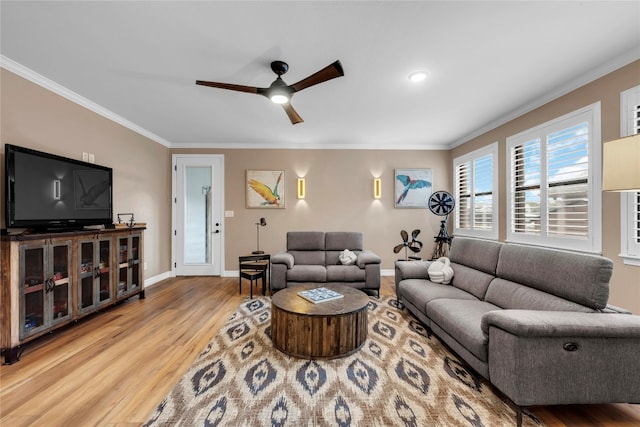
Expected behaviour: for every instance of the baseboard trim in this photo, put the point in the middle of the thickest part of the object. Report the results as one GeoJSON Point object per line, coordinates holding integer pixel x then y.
{"type": "Point", "coordinates": [227, 273]}
{"type": "Point", "coordinates": [159, 278]}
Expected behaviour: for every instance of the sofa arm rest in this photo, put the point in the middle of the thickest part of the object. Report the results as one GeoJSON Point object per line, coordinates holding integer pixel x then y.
{"type": "Point", "coordinates": [412, 270]}
{"type": "Point", "coordinates": [614, 309]}
{"type": "Point", "coordinates": [367, 257]}
{"type": "Point", "coordinates": [283, 258]}
{"type": "Point", "coordinates": [562, 358]}
{"type": "Point", "coordinates": [533, 323]}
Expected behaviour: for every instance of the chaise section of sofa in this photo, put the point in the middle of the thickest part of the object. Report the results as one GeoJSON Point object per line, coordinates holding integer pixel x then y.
{"type": "Point", "coordinates": [533, 321]}
{"type": "Point", "coordinates": [314, 257]}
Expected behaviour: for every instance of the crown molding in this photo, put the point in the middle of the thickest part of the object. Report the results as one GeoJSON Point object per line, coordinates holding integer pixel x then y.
{"type": "Point", "coordinates": [256, 145]}
{"type": "Point", "coordinates": [588, 77]}
{"type": "Point", "coordinates": [34, 77]}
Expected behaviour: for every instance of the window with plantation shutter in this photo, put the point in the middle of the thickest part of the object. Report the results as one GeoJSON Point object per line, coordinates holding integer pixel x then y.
{"type": "Point", "coordinates": [476, 182]}
{"type": "Point", "coordinates": [630, 202]}
{"type": "Point", "coordinates": [554, 183]}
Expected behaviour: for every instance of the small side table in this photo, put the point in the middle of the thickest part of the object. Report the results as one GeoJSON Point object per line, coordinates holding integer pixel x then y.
{"type": "Point", "coordinates": [254, 267]}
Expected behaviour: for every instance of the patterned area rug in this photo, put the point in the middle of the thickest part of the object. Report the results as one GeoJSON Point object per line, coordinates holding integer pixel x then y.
{"type": "Point", "coordinates": [399, 377]}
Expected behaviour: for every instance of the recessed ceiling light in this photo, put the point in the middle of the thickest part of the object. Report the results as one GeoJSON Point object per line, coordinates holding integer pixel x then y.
{"type": "Point", "coordinates": [418, 76]}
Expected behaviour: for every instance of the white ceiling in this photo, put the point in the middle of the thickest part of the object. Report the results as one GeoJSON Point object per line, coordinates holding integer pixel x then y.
{"type": "Point", "coordinates": [488, 61]}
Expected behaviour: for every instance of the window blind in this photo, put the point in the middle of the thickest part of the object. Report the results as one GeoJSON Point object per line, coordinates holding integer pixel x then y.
{"type": "Point", "coordinates": [526, 179]}
{"type": "Point", "coordinates": [553, 195]}
{"type": "Point", "coordinates": [475, 181]}
{"type": "Point", "coordinates": [636, 203]}
{"type": "Point", "coordinates": [483, 193]}
{"type": "Point", "coordinates": [567, 170]}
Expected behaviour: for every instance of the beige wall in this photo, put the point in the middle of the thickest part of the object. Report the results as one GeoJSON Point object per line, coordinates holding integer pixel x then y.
{"type": "Point", "coordinates": [625, 283]}
{"type": "Point", "coordinates": [36, 118]}
{"type": "Point", "coordinates": [339, 182]}
{"type": "Point", "coordinates": [339, 197]}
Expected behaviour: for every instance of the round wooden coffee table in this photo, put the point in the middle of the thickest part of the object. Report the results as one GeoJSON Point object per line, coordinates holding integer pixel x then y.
{"type": "Point", "coordinates": [324, 330]}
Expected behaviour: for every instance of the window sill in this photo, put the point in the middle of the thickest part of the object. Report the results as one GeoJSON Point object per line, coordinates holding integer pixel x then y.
{"type": "Point", "coordinates": [630, 259]}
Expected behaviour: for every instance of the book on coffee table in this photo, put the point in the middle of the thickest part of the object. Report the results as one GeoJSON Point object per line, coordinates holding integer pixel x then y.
{"type": "Point", "coordinates": [319, 295]}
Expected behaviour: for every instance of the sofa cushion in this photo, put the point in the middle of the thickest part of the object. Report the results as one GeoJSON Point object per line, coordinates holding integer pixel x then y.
{"type": "Point", "coordinates": [510, 295]}
{"type": "Point", "coordinates": [305, 241]}
{"type": "Point", "coordinates": [462, 319]}
{"type": "Point", "coordinates": [577, 277]}
{"type": "Point", "coordinates": [476, 253]}
{"type": "Point", "coordinates": [419, 292]}
{"type": "Point", "coordinates": [337, 241]}
{"type": "Point", "coordinates": [307, 273]}
{"type": "Point", "coordinates": [345, 273]}
{"type": "Point", "coordinates": [473, 281]}
{"type": "Point", "coordinates": [340, 240]}
{"type": "Point", "coordinates": [308, 257]}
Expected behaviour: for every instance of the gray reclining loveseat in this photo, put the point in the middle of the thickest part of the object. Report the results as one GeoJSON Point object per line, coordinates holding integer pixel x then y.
{"type": "Point", "coordinates": [533, 321]}
{"type": "Point", "coordinates": [313, 257]}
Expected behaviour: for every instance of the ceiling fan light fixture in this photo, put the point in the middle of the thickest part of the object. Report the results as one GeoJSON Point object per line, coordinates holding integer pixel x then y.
{"type": "Point", "coordinates": [278, 98]}
{"type": "Point", "coordinates": [418, 76]}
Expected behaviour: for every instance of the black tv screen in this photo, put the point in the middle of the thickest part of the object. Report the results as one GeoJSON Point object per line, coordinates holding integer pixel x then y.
{"type": "Point", "coordinates": [46, 191]}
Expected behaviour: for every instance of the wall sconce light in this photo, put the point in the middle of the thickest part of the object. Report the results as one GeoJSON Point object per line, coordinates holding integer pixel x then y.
{"type": "Point", "coordinates": [377, 188]}
{"type": "Point", "coordinates": [301, 188]}
{"type": "Point", "coordinates": [620, 162]}
{"type": "Point", "coordinates": [56, 189]}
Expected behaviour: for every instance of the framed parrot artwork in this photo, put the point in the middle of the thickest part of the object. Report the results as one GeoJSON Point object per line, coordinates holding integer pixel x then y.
{"type": "Point", "coordinates": [265, 189]}
{"type": "Point", "coordinates": [413, 188]}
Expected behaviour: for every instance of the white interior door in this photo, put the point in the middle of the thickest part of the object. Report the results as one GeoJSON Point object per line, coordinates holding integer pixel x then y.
{"type": "Point", "coordinates": [198, 187]}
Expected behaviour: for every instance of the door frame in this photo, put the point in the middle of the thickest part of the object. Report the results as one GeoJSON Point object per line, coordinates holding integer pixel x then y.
{"type": "Point", "coordinates": [217, 201]}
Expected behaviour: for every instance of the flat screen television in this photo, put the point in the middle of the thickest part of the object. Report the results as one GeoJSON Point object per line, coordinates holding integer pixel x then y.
{"type": "Point", "coordinates": [45, 191]}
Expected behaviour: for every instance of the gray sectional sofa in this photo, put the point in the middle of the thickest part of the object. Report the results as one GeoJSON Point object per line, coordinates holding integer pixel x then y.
{"type": "Point", "coordinates": [533, 321]}
{"type": "Point", "coordinates": [313, 257]}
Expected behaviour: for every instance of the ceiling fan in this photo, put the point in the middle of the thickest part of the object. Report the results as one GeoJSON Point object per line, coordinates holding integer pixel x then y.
{"type": "Point", "coordinates": [279, 92]}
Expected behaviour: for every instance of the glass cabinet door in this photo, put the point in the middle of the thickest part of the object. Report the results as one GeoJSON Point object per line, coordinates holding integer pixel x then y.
{"type": "Point", "coordinates": [32, 301]}
{"type": "Point", "coordinates": [129, 272]}
{"type": "Point", "coordinates": [86, 257]}
{"type": "Point", "coordinates": [104, 271]}
{"type": "Point", "coordinates": [135, 263]}
{"type": "Point", "coordinates": [45, 291]}
{"type": "Point", "coordinates": [59, 284]}
{"type": "Point", "coordinates": [94, 260]}
{"type": "Point", "coordinates": [123, 265]}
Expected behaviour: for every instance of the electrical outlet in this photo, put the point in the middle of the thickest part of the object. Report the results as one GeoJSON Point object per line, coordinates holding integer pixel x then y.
{"type": "Point", "coordinates": [228, 214]}
{"type": "Point", "coordinates": [85, 157]}
{"type": "Point", "coordinates": [92, 158]}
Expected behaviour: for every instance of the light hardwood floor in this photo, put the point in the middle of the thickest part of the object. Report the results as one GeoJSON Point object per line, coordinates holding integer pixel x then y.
{"type": "Point", "coordinates": [112, 369]}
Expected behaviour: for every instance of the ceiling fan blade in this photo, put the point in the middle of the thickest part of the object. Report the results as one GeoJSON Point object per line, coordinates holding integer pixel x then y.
{"type": "Point", "coordinates": [327, 73]}
{"type": "Point", "coordinates": [239, 88]}
{"type": "Point", "coordinates": [293, 115]}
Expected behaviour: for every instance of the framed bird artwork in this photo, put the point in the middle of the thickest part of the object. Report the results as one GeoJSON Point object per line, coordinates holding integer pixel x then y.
{"type": "Point", "coordinates": [413, 188]}
{"type": "Point", "coordinates": [265, 189]}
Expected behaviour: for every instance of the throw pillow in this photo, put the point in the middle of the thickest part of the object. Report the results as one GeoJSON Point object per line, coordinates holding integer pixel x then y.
{"type": "Point", "coordinates": [347, 257]}
{"type": "Point", "coordinates": [440, 271]}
